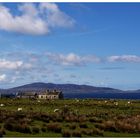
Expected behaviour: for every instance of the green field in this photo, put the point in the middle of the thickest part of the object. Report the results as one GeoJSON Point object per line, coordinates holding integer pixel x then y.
{"type": "Point", "coordinates": [69, 118]}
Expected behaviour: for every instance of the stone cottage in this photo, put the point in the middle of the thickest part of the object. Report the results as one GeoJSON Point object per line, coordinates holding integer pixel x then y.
{"type": "Point", "coordinates": [41, 95]}
{"type": "Point", "coordinates": [50, 95]}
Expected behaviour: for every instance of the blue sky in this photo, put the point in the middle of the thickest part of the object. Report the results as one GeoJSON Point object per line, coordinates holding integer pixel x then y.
{"type": "Point", "coordinates": [83, 43]}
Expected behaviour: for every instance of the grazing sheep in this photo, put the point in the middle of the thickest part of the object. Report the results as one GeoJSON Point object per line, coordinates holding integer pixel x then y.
{"type": "Point", "coordinates": [56, 110]}
{"type": "Point", "coordinates": [1, 104]}
{"type": "Point", "coordinates": [116, 103]}
{"type": "Point", "coordinates": [19, 109]}
{"type": "Point", "coordinates": [77, 100]}
{"type": "Point", "coordinates": [38, 101]}
{"type": "Point", "coordinates": [105, 101]}
{"type": "Point", "coordinates": [129, 102]}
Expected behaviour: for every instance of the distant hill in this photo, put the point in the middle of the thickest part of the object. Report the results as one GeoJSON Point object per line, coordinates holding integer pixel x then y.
{"type": "Point", "coordinates": [73, 90]}
{"type": "Point", "coordinates": [66, 88]}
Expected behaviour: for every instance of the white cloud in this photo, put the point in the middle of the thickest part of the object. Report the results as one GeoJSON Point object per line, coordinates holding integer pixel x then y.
{"type": "Point", "coordinates": [28, 9]}
{"type": "Point", "coordinates": [34, 20]}
{"type": "Point", "coordinates": [12, 65]}
{"type": "Point", "coordinates": [71, 59]}
{"type": "Point", "coordinates": [124, 58]}
{"type": "Point", "coordinates": [2, 77]}
{"type": "Point", "coordinates": [55, 16]}
{"type": "Point", "coordinates": [5, 64]}
{"type": "Point", "coordinates": [26, 23]}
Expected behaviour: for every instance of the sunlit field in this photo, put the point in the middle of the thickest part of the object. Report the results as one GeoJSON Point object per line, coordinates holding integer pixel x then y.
{"type": "Point", "coordinates": [69, 118]}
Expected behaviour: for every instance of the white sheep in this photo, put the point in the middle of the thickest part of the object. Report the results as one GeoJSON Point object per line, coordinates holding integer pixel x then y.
{"type": "Point", "coordinates": [77, 100]}
{"type": "Point", "coordinates": [56, 110]}
{"type": "Point", "coordinates": [129, 102]}
{"type": "Point", "coordinates": [116, 103]}
{"type": "Point", "coordinates": [105, 101]}
{"type": "Point", "coordinates": [38, 101]}
{"type": "Point", "coordinates": [1, 104]}
{"type": "Point", "coordinates": [19, 109]}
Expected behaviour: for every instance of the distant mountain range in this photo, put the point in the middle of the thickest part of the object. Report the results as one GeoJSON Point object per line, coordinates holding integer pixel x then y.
{"type": "Point", "coordinates": [73, 90]}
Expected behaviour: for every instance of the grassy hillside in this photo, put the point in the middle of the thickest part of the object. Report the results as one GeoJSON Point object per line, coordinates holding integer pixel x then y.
{"type": "Point", "coordinates": [69, 118]}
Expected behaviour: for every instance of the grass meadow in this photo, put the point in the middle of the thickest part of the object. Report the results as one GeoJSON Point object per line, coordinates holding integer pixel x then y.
{"type": "Point", "coordinates": [69, 118]}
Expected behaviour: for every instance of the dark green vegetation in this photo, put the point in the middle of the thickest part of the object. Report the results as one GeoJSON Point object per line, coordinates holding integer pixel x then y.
{"type": "Point", "coordinates": [69, 118]}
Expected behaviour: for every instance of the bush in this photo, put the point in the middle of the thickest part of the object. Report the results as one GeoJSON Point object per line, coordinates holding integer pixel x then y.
{"type": "Point", "coordinates": [45, 118]}
{"type": "Point", "coordinates": [43, 129]}
{"type": "Point", "coordinates": [138, 127]}
{"type": "Point", "coordinates": [83, 125]}
{"type": "Point", "coordinates": [66, 133]}
{"type": "Point", "coordinates": [9, 126]}
{"type": "Point", "coordinates": [94, 119]}
{"type": "Point", "coordinates": [76, 134]}
{"type": "Point", "coordinates": [125, 127]}
{"type": "Point", "coordinates": [71, 118]}
{"type": "Point", "coordinates": [99, 125]}
{"type": "Point", "coordinates": [24, 129]}
{"type": "Point", "coordinates": [35, 130]}
{"type": "Point", "coordinates": [55, 127]}
{"type": "Point", "coordinates": [72, 126]}
{"type": "Point", "coordinates": [2, 132]}
{"type": "Point", "coordinates": [87, 132]}
{"type": "Point", "coordinates": [19, 115]}
{"type": "Point", "coordinates": [82, 119]}
{"type": "Point", "coordinates": [65, 111]}
{"type": "Point", "coordinates": [110, 126]}
{"type": "Point", "coordinates": [96, 131]}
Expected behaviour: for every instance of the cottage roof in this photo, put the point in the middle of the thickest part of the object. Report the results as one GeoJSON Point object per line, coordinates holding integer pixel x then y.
{"type": "Point", "coordinates": [52, 93]}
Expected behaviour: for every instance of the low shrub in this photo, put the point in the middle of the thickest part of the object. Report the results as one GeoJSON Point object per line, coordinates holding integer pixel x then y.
{"type": "Point", "coordinates": [45, 118]}
{"type": "Point", "coordinates": [72, 126]}
{"type": "Point", "coordinates": [87, 132]}
{"type": "Point", "coordinates": [55, 127]}
{"type": "Point", "coordinates": [99, 125]}
{"type": "Point", "coordinates": [35, 130]}
{"type": "Point", "coordinates": [43, 129]}
{"type": "Point", "coordinates": [138, 127]}
{"type": "Point", "coordinates": [110, 126]}
{"type": "Point", "coordinates": [94, 119]}
{"type": "Point", "coordinates": [96, 131]}
{"type": "Point", "coordinates": [83, 125]}
{"type": "Point", "coordinates": [82, 118]}
{"type": "Point", "coordinates": [66, 133]}
{"type": "Point", "coordinates": [71, 118]}
{"type": "Point", "coordinates": [19, 115]}
{"type": "Point", "coordinates": [126, 127]}
{"type": "Point", "coordinates": [76, 133]}
{"type": "Point", "coordinates": [9, 126]}
{"type": "Point", "coordinates": [23, 129]}
{"type": "Point", "coordinates": [2, 132]}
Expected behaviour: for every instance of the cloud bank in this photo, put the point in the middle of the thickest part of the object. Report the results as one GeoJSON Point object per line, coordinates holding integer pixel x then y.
{"type": "Point", "coordinates": [123, 58]}
{"type": "Point", "coordinates": [27, 66]}
{"type": "Point", "coordinates": [13, 65]}
{"type": "Point", "coordinates": [72, 59]}
{"type": "Point", "coordinates": [34, 19]}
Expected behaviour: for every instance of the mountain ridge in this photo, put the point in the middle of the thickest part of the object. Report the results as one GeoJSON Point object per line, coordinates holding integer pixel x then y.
{"type": "Point", "coordinates": [66, 88]}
